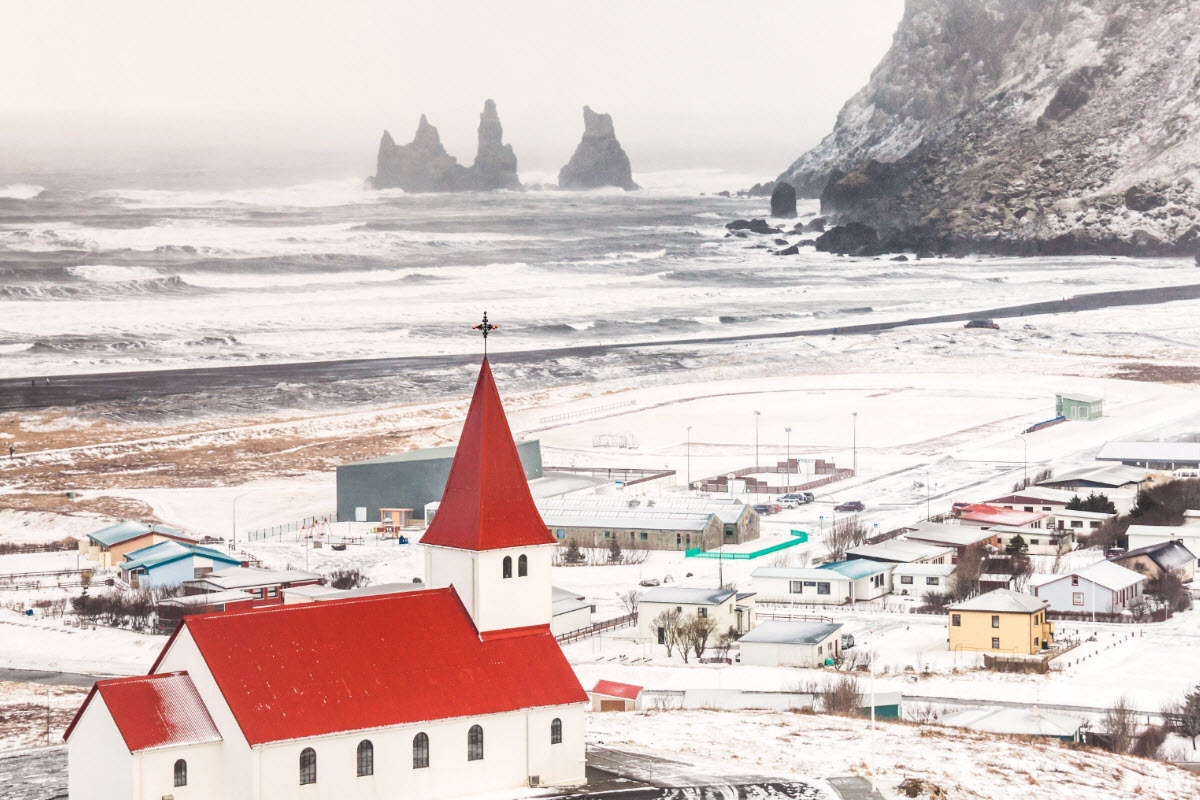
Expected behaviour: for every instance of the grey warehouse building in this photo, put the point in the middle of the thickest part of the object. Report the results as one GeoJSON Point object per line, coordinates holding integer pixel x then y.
{"type": "Point", "coordinates": [408, 480]}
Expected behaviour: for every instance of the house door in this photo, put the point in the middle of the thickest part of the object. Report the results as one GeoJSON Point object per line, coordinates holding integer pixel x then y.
{"type": "Point", "coordinates": [612, 705]}
{"type": "Point", "coordinates": [662, 635]}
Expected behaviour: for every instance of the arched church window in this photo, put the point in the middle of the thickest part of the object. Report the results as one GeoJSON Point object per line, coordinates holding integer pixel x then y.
{"type": "Point", "coordinates": [522, 566]}
{"type": "Point", "coordinates": [507, 573]}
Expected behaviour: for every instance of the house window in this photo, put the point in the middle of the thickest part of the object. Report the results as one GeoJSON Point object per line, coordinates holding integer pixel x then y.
{"type": "Point", "coordinates": [506, 569]}
{"type": "Point", "coordinates": [956, 620]}
{"type": "Point", "coordinates": [822, 587]}
{"type": "Point", "coordinates": [906, 579]}
{"type": "Point", "coordinates": [522, 566]}
{"type": "Point", "coordinates": [645, 537]}
{"type": "Point", "coordinates": [1029, 508]}
{"type": "Point", "coordinates": [1076, 598]}
{"type": "Point", "coordinates": [1033, 541]}
{"type": "Point", "coordinates": [556, 731]}
{"type": "Point", "coordinates": [995, 643]}
{"type": "Point", "coordinates": [1035, 642]}
{"type": "Point", "coordinates": [931, 581]}
{"type": "Point", "coordinates": [308, 766]}
{"type": "Point", "coordinates": [366, 758]}
{"type": "Point", "coordinates": [475, 743]}
{"type": "Point", "coordinates": [181, 773]}
{"type": "Point", "coordinates": [662, 635]}
{"type": "Point", "coordinates": [1076, 523]}
{"type": "Point", "coordinates": [421, 751]}
{"type": "Point", "coordinates": [560, 533]}
{"type": "Point", "coordinates": [820, 649]}
{"type": "Point", "coordinates": [218, 606]}
{"type": "Point", "coordinates": [273, 592]}
{"type": "Point", "coordinates": [607, 534]}
{"type": "Point", "coordinates": [1094, 524]}
{"type": "Point", "coordinates": [796, 587]}
{"type": "Point", "coordinates": [995, 621]}
{"type": "Point", "coordinates": [701, 612]}
{"type": "Point", "coordinates": [1074, 580]}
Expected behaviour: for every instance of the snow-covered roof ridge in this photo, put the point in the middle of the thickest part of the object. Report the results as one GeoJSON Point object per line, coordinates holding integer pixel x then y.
{"type": "Point", "coordinates": [1003, 600]}
{"type": "Point", "coordinates": [700, 596]}
{"type": "Point", "coordinates": [787, 632]}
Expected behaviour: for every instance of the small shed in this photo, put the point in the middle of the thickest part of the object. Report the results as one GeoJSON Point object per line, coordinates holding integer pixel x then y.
{"type": "Point", "coordinates": [613, 696]}
{"type": "Point", "coordinates": [1073, 405]}
{"type": "Point", "coordinates": [781, 643]}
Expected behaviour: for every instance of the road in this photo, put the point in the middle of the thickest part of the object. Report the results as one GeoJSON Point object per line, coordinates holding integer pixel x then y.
{"type": "Point", "coordinates": [39, 774]}
{"type": "Point", "coordinates": [71, 390]}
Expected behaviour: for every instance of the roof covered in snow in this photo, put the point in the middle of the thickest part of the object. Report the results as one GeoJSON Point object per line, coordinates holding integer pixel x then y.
{"type": "Point", "coordinates": [924, 569]}
{"type": "Point", "coordinates": [798, 574]}
{"type": "Point", "coordinates": [898, 551]}
{"type": "Point", "coordinates": [998, 515]}
{"type": "Point", "coordinates": [353, 664]}
{"type": "Point", "coordinates": [785, 632]}
{"type": "Point", "coordinates": [154, 711]}
{"type": "Point", "coordinates": [1103, 573]}
{"type": "Point", "coordinates": [556, 514]}
{"type": "Point", "coordinates": [1149, 451]}
{"type": "Point", "coordinates": [726, 509]}
{"type": "Point", "coordinates": [687, 596]}
{"type": "Point", "coordinates": [130, 529]}
{"type": "Point", "coordinates": [159, 555]}
{"type": "Point", "coordinates": [1003, 600]}
{"type": "Point", "coordinates": [1019, 721]}
{"type": "Point", "coordinates": [941, 533]}
{"type": "Point", "coordinates": [1037, 494]}
{"type": "Point", "coordinates": [564, 601]}
{"type": "Point", "coordinates": [250, 577]}
{"type": "Point", "coordinates": [1107, 475]}
{"type": "Point", "coordinates": [1167, 555]}
{"type": "Point", "coordinates": [486, 504]}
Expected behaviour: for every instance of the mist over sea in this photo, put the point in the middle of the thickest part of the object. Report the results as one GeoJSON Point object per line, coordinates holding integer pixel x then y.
{"type": "Point", "coordinates": [96, 277]}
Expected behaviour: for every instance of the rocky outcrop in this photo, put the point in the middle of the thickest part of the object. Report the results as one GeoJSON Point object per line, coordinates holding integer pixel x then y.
{"type": "Point", "coordinates": [599, 159]}
{"type": "Point", "coordinates": [783, 201]}
{"type": "Point", "coordinates": [1023, 126]}
{"type": "Point", "coordinates": [495, 163]}
{"type": "Point", "coordinates": [423, 165]}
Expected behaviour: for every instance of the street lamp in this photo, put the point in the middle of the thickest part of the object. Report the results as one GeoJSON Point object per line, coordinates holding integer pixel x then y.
{"type": "Point", "coordinates": [689, 457]}
{"type": "Point", "coordinates": [1025, 443]}
{"type": "Point", "coordinates": [927, 515]}
{"type": "Point", "coordinates": [854, 444]}
{"type": "Point", "coordinates": [787, 467]}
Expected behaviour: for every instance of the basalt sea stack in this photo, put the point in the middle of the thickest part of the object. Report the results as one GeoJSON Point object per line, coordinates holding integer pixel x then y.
{"type": "Point", "coordinates": [599, 159]}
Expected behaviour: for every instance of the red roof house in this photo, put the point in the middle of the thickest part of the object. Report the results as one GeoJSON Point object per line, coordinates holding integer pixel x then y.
{"type": "Point", "coordinates": [985, 516]}
{"type": "Point", "coordinates": [613, 696]}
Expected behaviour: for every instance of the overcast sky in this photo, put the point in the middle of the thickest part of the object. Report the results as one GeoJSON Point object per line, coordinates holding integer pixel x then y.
{"type": "Point", "coordinates": [741, 86]}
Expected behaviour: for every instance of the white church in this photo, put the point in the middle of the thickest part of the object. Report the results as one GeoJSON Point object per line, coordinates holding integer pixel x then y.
{"type": "Point", "coordinates": [453, 690]}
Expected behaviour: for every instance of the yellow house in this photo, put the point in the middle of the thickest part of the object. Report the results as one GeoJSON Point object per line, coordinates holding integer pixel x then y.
{"type": "Point", "coordinates": [1001, 621]}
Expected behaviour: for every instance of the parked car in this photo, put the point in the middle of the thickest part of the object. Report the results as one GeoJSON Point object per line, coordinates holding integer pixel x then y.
{"type": "Point", "coordinates": [847, 641]}
{"type": "Point", "coordinates": [1114, 552]}
{"type": "Point", "coordinates": [850, 507]}
{"type": "Point", "coordinates": [809, 497]}
{"type": "Point", "coordinates": [982, 323]}
{"type": "Point", "coordinates": [762, 508]}
{"type": "Point", "coordinates": [788, 502]}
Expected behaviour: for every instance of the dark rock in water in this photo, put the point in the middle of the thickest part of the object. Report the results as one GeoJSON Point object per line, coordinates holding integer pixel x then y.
{"type": "Point", "coordinates": [789, 251]}
{"type": "Point", "coordinates": [860, 186]}
{"type": "Point", "coordinates": [599, 159]}
{"type": "Point", "coordinates": [900, 257]}
{"type": "Point", "coordinates": [781, 241]}
{"type": "Point", "coordinates": [783, 200]}
{"type": "Point", "coordinates": [724, 194]}
{"type": "Point", "coordinates": [423, 165]}
{"type": "Point", "coordinates": [855, 239]}
{"type": "Point", "coordinates": [752, 225]}
{"type": "Point", "coordinates": [815, 224]}
{"type": "Point", "coordinates": [495, 163]}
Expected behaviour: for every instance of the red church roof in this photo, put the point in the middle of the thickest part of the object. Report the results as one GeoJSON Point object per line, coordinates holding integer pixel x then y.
{"type": "Point", "coordinates": [486, 504]}
{"type": "Point", "coordinates": [154, 711]}
{"type": "Point", "coordinates": [289, 672]}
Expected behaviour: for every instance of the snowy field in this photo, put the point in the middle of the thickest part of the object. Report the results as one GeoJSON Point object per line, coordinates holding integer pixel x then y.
{"type": "Point", "coordinates": [963, 764]}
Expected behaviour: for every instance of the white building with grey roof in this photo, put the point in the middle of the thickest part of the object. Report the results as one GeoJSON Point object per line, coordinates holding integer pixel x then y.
{"type": "Point", "coordinates": [730, 609]}
{"type": "Point", "coordinates": [656, 523]}
{"type": "Point", "coordinates": [782, 643]}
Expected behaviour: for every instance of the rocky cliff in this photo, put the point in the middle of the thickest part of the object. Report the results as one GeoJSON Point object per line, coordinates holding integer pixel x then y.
{"type": "Point", "coordinates": [423, 165]}
{"type": "Point", "coordinates": [599, 159]}
{"type": "Point", "coordinates": [1024, 126]}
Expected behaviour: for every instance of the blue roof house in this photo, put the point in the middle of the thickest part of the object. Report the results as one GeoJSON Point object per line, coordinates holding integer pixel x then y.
{"type": "Point", "coordinates": [109, 546]}
{"type": "Point", "coordinates": [171, 563]}
{"type": "Point", "coordinates": [869, 580]}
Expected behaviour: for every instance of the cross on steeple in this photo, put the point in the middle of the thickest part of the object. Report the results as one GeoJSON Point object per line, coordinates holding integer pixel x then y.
{"type": "Point", "coordinates": [485, 328]}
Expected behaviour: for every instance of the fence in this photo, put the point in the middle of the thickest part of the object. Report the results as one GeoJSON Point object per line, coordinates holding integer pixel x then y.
{"type": "Point", "coordinates": [629, 476]}
{"type": "Point", "coordinates": [277, 531]}
{"type": "Point", "coordinates": [830, 471]}
{"type": "Point", "coordinates": [586, 412]}
{"type": "Point", "coordinates": [696, 552]}
{"type": "Point", "coordinates": [597, 628]}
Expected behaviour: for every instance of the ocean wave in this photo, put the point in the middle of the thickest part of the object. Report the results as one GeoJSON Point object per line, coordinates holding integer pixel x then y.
{"type": "Point", "coordinates": [97, 289]}
{"type": "Point", "coordinates": [319, 194]}
{"type": "Point", "coordinates": [21, 191]}
{"type": "Point", "coordinates": [109, 273]}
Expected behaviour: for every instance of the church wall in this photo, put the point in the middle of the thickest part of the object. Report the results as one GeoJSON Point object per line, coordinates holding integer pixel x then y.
{"type": "Point", "coordinates": [514, 602]}
{"type": "Point", "coordinates": [449, 774]}
{"type": "Point", "coordinates": [155, 772]}
{"type": "Point", "coordinates": [237, 768]}
{"type": "Point", "coordinates": [445, 566]}
{"type": "Point", "coordinates": [99, 765]}
{"type": "Point", "coordinates": [557, 764]}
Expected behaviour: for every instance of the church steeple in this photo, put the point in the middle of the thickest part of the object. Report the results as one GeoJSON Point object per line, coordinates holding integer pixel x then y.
{"type": "Point", "coordinates": [486, 504]}
{"type": "Point", "coordinates": [487, 539]}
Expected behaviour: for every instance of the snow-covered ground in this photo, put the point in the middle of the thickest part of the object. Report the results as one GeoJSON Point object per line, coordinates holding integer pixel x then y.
{"type": "Point", "coordinates": [963, 764]}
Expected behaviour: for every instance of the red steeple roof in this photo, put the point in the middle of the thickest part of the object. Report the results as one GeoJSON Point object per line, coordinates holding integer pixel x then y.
{"type": "Point", "coordinates": [487, 504]}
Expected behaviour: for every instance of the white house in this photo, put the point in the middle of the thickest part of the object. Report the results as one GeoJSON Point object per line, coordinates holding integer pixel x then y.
{"type": "Point", "coordinates": [1146, 535]}
{"type": "Point", "coordinates": [1038, 541]}
{"type": "Point", "coordinates": [1080, 521]}
{"type": "Point", "coordinates": [729, 608]}
{"type": "Point", "coordinates": [801, 585]}
{"type": "Point", "coordinates": [901, 551]}
{"type": "Point", "coordinates": [570, 611]}
{"type": "Point", "coordinates": [782, 643]}
{"type": "Point", "coordinates": [454, 690]}
{"type": "Point", "coordinates": [1104, 587]}
{"type": "Point", "coordinates": [869, 580]}
{"type": "Point", "coordinates": [918, 580]}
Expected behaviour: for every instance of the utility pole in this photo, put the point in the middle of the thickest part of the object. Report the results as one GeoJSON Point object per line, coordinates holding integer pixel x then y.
{"type": "Point", "coordinates": [757, 414]}
{"type": "Point", "coordinates": [854, 442]}
{"type": "Point", "coordinates": [1025, 443]}
{"type": "Point", "coordinates": [787, 468]}
{"type": "Point", "coordinates": [927, 515]}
